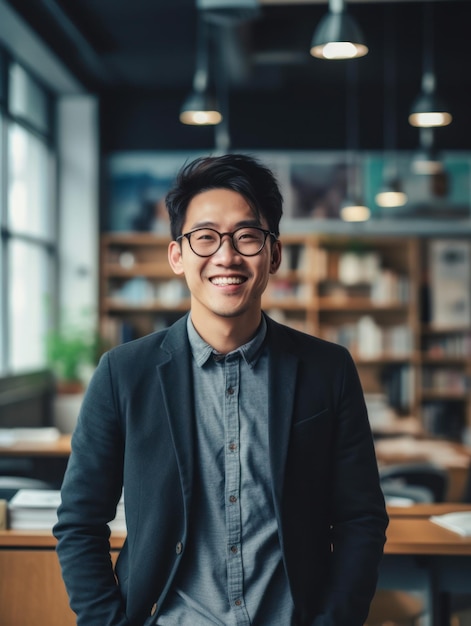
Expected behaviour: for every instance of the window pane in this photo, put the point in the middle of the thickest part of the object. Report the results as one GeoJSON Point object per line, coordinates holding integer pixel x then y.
{"type": "Point", "coordinates": [27, 99]}
{"type": "Point", "coordinates": [2, 269]}
{"type": "Point", "coordinates": [2, 75]}
{"type": "Point", "coordinates": [29, 192]}
{"type": "Point", "coordinates": [28, 305]}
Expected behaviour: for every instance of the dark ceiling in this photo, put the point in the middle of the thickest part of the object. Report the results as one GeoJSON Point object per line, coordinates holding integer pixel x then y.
{"type": "Point", "coordinates": [139, 57]}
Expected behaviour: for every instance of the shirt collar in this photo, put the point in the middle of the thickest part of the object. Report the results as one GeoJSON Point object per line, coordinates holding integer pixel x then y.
{"type": "Point", "coordinates": [250, 351]}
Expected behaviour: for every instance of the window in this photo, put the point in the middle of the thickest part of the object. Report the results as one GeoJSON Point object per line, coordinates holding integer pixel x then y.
{"type": "Point", "coordinates": [28, 238]}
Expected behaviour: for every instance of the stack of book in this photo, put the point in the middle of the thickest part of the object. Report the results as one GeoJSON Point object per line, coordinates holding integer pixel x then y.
{"type": "Point", "coordinates": [36, 509]}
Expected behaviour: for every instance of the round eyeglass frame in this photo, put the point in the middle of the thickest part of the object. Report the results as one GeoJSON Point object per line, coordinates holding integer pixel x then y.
{"type": "Point", "coordinates": [231, 235]}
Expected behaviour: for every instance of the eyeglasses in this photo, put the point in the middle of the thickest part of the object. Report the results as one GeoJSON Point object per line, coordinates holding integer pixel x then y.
{"type": "Point", "coordinates": [247, 240]}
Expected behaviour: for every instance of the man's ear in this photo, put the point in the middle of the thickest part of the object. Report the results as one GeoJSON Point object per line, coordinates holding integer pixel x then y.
{"type": "Point", "coordinates": [175, 257]}
{"type": "Point", "coordinates": [275, 257]}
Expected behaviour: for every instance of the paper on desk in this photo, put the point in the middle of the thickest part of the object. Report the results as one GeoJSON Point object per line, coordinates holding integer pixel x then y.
{"type": "Point", "coordinates": [10, 436]}
{"type": "Point", "coordinates": [458, 522]}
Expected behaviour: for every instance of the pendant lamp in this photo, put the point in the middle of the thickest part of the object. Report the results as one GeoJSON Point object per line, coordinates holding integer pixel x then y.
{"type": "Point", "coordinates": [201, 108]}
{"type": "Point", "coordinates": [352, 208]}
{"type": "Point", "coordinates": [428, 110]}
{"type": "Point", "coordinates": [338, 36]}
{"type": "Point", "coordinates": [390, 194]}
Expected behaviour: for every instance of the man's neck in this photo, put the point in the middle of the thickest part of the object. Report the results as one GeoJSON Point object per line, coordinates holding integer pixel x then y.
{"type": "Point", "coordinates": [226, 334]}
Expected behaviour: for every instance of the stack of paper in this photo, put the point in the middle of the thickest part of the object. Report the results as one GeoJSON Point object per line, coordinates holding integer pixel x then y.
{"type": "Point", "coordinates": [10, 436]}
{"type": "Point", "coordinates": [36, 509]}
{"type": "Point", "coordinates": [33, 509]}
{"type": "Point", "coordinates": [458, 522]}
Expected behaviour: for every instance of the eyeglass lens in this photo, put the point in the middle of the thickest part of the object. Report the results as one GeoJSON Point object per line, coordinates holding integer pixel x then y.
{"type": "Point", "coordinates": [247, 241]}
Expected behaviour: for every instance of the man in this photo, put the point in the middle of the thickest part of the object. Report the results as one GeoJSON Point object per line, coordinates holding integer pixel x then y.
{"type": "Point", "coordinates": [243, 446]}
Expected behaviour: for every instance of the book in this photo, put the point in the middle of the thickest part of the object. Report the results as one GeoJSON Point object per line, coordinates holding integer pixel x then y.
{"type": "Point", "coordinates": [458, 522]}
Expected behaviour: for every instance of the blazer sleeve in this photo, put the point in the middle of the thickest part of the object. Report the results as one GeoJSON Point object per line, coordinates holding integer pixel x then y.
{"type": "Point", "coordinates": [359, 518]}
{"type": "Point", "coordinates": [90, 492]}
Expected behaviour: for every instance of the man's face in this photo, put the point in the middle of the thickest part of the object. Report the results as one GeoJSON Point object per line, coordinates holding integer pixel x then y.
{"type": "Point", "coordinates": [225, 284]}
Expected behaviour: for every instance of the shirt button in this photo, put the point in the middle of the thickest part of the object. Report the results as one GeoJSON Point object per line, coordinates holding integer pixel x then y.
{"type": "Point", "coordinates": [232, 447]}
{"type": "Point", "coordinates": [238, 602]}
{"type": "Point", "coordinates": [179, 547]}
{"type": "Point", "coordinates": [234, 549]}
{"type": "Point", "coordinates": [232, 499]}
{"type": "Point", "coordinates": [230, 390]}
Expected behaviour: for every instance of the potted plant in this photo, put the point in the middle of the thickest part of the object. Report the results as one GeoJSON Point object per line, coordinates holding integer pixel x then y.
{"type": "Point", "coordinates": [72, 353]}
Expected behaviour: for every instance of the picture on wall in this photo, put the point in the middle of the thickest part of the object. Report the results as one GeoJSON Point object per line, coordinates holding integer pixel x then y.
{"type": "Point", "coordinates": [136, 186]}
{"type": "Point", "coordinates": [314, 186]}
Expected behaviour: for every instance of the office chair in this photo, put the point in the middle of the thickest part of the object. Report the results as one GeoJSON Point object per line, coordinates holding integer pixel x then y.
{"type": "Point", "coordinates": [396, 492]}
{"type": "Point", "coordinates": [425, 475]}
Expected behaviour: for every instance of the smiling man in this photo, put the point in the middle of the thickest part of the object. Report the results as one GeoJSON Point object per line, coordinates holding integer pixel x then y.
{"type": "Point", "coordinates": [243, 446]}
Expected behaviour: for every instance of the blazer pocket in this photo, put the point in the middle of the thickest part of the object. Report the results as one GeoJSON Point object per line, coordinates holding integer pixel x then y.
{"type": "Point", "coordinates": [311, 418]}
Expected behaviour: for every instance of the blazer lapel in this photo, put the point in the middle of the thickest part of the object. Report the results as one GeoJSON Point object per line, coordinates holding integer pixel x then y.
{"type": "Point", "coordinates": [282, 384]}
{"type": "Point", "coordinates": [177, 389]}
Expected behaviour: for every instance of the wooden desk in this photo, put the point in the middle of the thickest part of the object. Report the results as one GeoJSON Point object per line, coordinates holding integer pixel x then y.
{"type": "Point", "coordinates": [422, 556]}
{"type": "Point", "coordinates": [45, 460]}
{"type": "Point", "coordinates": [58, 448]}
{"type": "Point", "coordinates": [32, 591]}
{"type": "Point", "coordinates": [419, 555]}
{"type": "Point", "coordinates": [426, 510]}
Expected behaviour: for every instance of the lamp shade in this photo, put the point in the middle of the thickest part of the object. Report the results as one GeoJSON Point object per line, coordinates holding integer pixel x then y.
{"type": "Point", "coordinates": [391, 195]}
{"type": "Point", "coordinates": [354, 211]}
{"type": "Point", "coordinates": [338, 37]}
{"type": "Point", "coordinates": [200, 109]}
{"type": "Point", "coordinates": [429, 111]}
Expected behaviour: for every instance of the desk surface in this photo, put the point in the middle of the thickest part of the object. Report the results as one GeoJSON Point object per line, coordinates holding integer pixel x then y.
{"type": "Point", "coordinates": [59, 447]}
{"type": "Point", "coordinates": [409, 532]}
{"type": "Point", "coordinates": [426, 510]}
{"type": "Point", "coordinates": [43, 539]}
{"type": "Point", "coordinates": [418, 535]}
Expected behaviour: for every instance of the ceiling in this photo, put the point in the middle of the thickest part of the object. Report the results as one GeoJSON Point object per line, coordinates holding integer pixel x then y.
{"type": "Point", "coordinates": [124, 50]}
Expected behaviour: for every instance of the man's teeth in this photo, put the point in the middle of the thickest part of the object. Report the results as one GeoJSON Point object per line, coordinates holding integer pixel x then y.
{"type": "Point", "coordinates": [227, 280]}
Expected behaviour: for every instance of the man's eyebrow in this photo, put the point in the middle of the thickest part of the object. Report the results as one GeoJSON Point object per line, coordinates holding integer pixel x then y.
{"type": "Point", "coordinates": [241, 224]}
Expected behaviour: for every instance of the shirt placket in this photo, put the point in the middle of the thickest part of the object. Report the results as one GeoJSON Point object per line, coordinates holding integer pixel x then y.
{"type": "Point", "coordinates": [235, 577]}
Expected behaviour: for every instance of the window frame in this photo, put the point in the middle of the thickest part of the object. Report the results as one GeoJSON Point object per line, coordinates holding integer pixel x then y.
{"type": "Point", "coordinates": [48, 244]}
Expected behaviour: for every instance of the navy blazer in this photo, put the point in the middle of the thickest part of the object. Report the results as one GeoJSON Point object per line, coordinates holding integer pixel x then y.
{"type": "Point", "coordinates": [136, 430]}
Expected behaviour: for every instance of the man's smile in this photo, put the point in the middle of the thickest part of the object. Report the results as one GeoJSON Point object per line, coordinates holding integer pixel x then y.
{"type": "Point", "coordinates": [227, 280]}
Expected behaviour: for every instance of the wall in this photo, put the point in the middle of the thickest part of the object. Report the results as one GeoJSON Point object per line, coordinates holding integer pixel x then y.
{"type": "Point", "coordinates": [78, 206]}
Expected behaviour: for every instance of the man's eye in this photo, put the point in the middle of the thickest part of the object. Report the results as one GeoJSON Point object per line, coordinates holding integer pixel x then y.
{"type": "Point", "coordinates": [247, 235]}
{"type": "Point", "coordinates": [206, 237]}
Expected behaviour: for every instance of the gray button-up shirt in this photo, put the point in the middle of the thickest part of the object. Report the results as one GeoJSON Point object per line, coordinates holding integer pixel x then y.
{"type": "Point", "coordinates": [232, 573]}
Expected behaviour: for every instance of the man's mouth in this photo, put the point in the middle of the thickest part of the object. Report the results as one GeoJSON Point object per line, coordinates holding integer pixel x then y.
{"type": "Point", "coordinates": [227, 280]}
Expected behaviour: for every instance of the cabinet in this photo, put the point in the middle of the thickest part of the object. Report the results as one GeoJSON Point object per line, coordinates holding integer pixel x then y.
{"type": "Point", "coordinates": [368, 293]}
{"type": "Point", "coordinates": [32, 590]}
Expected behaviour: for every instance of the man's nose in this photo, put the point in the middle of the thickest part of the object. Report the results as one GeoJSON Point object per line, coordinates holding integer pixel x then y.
{"type": "Point", "coordinates": [227, 247]}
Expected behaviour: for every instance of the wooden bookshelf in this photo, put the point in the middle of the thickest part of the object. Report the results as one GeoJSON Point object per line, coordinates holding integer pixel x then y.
{"type": "Point", "coordinates": [365, 292]}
